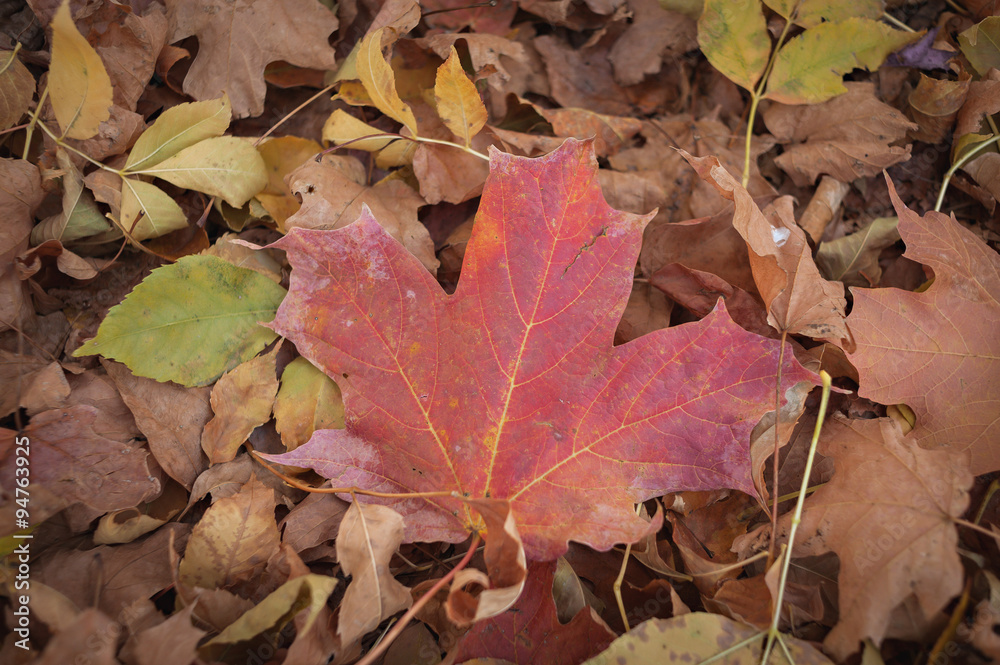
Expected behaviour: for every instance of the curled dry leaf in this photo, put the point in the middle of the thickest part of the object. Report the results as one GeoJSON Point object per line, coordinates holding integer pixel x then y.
{"type": "Point", "coordinates": [798, 299]}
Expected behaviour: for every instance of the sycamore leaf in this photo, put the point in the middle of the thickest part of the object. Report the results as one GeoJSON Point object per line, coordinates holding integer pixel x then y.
{"type": "Point", "coordinates": [532, 633]}
{"type": "Point", "coordinates": [236, 41]}
{"type": "Point", "coordinates": [241, 402]}
{"type": "Point", "coordinates": [458, 102]}
{"type": "Point", "coordinates": [810, 13]}
{"type": "Point", "coordinates": [446, 393]}
{"type": "Point", "coordinates": [369, 536]}
{"type": "Point", "coordinates": [233, 540]}
{"type": "Point", "coordinates": [269, 616]}
{"type": "Point", "coordinates": [17, 86]}
{"type": "Point", "coordinates": [700, 637]}
{"type": "Point", "coordinates": [886, 513]}
{"type": "Point", "coordinates": [853, 259]}
{"type": "Point", "coordinates": [733, 36]}
{"type": "Point", "coordinates": [189, 322]}
{"type": "Point", "coordinates": [160, 213]}
{"type": "Point", "coordinates": [79, 86]}
{"type": "Point", "coordinates": [380, 82]}
{"type": "Point", "coordinates": [226, 166]}
{"type": "Point", "coordinates": [809, 69]}
{"type": "Point", "coordinates": [937, 351]}
{"type": "Point", "coordinates": [981, 45]}
{"type": "Point", "coordinates": [177, 128]}
{"type": "Point", "coordinates": [308, 400]}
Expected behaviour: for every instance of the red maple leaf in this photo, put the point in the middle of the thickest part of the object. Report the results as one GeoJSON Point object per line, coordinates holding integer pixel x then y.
{"type": "Point", "coordinates": [511, 388]}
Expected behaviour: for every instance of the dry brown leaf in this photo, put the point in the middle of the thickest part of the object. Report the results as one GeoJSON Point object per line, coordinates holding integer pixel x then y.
{"type": "Point", "coordinates": [92, 637]}
{"type": "Point", "coordinates": [983, 100]}
{"type": "Point", "coordinates": [886, 513]}
{"type": "Point", "coordinates": [369, 536]}
{"type": "Point", "coordinates": [17, 87]}
{"type": "Point", "coordinates": [72, 460]}
{"type": "Point", "coordinates": [848, 137]}
{"type": "Point", "coordinates": [485, 51]}
{"type": "Point", "coordinates": [129, 45]}
{"type": "Point", "coordinates": [934, 105]}
{"type": "Point", "coordinates": [236, 40]}
{"type": "Point", "coordinates": [313, 522]}
{"type": "Point", "coordinates": [653, 33]}
{"type": "Point", "coordinates": [233, 540]}
{"type": "Point", "coordinates": [699, 291]}
{"type": "Point", "coordinates": [985, 170]}
{"type": "Point", "coordinates": [647, 310]}
{"type": "Point", "coordinates": [798, 299]}
{"type": "Point", "coordinates": [331, 199]}
{"type": "Point", "coordinates": [20, 193]}
{"type": "Point", "coordinates": [113, 577]}
{"type": "Point", "coordinates": [171, 417]}
{"type": "Point", "coordinates": [582, 78]}
{"type": "Point", "coordinates": [172, 642]}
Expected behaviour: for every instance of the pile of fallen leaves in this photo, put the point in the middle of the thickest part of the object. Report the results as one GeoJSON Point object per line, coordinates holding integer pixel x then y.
{"type": "Point", "coordinates": [402, 333]}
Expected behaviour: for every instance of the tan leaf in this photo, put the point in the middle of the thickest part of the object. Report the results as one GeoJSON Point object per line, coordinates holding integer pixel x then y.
{"type": "Point", "coordinates": [330, 199]}
{"type": "Point", "coordinates": [79, 87]}
{"type": "Point", "coordinates": [241, 400]}
{"type": "Point", "coordinates": [886, 513]}
{"type": "Point", "coordinates": [369, 536]}
{"type": "Point", "coordinates": [173, 641]}
{"type": "Point", "coordinates": [233, 540]}
{"type": "Point", "coordinates": [458, 101]}
{"type": "Point", "coordinates": [655, 31]}
{"type": "Point", "coordinates": [281, 157]}
{"type": "Point", "coordinates": [20, 193]}
{"type": "Point", "coordinates": [236, 40]}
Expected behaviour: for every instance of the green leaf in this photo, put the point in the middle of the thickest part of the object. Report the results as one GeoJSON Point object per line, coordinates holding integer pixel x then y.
{"type": "Point", "coordinates": [79, 86]}
{"type": "Point", "coordinates": [177, 128]}
{"type": "Point", "coordinates": [810, 13]}
{"type": "Point", "coordinates": [981, 45]}
{"type": "Point", "coordinates": [380, 82]}
{"type": "Point", "coordinates": [189, 322]}
{"type": "Point", "coordinates": [227, 167]}
{"type": "Point", "coordinates": [160, 213]}
{"type": "Point", "coordinates": [853, 259]}
{"type": "Point", "coordinates": [269, 616]}
{"type": "Point", "coordinates": [810, 68]}
{"type": "Point", "coordinates": [733, 36]}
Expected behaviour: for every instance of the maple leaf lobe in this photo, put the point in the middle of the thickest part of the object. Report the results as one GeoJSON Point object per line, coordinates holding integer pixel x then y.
{"type": "Point", "coordinates": [511, 387]}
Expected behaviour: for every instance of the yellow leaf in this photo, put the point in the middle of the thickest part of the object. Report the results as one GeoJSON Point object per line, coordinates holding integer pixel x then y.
{"type": "Point", "coordinates": [177, 128]}
{"type": "Point", "coordinates": [981, 44]}
{"type": "Point", "coordinates": [342, 127]}
{"type": "Point", "coordinates": [733, 36]}
{"type": "Point", "coordinates": [810, 68]}
{"type": "Point", "coordinates": [810, 13]}
{"type": "Point", "coordinates": [353, 93]}
{"type": "Point", "coordinates": [458, 101]}
{"type": "Point", "coordinates": [380, 82]}
{"type": "Point", "coordinates": [160, 213]}
{"type": "Point", "coordinates": [227, 167]}
{"type": "Point", "coordinates": [17, 86]}
{"type": "Point", "coordinates": [79, 87]}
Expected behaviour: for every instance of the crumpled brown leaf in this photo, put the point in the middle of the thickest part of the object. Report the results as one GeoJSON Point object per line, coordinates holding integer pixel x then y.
{"type": "Point", "coordinates": [848, 137]}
